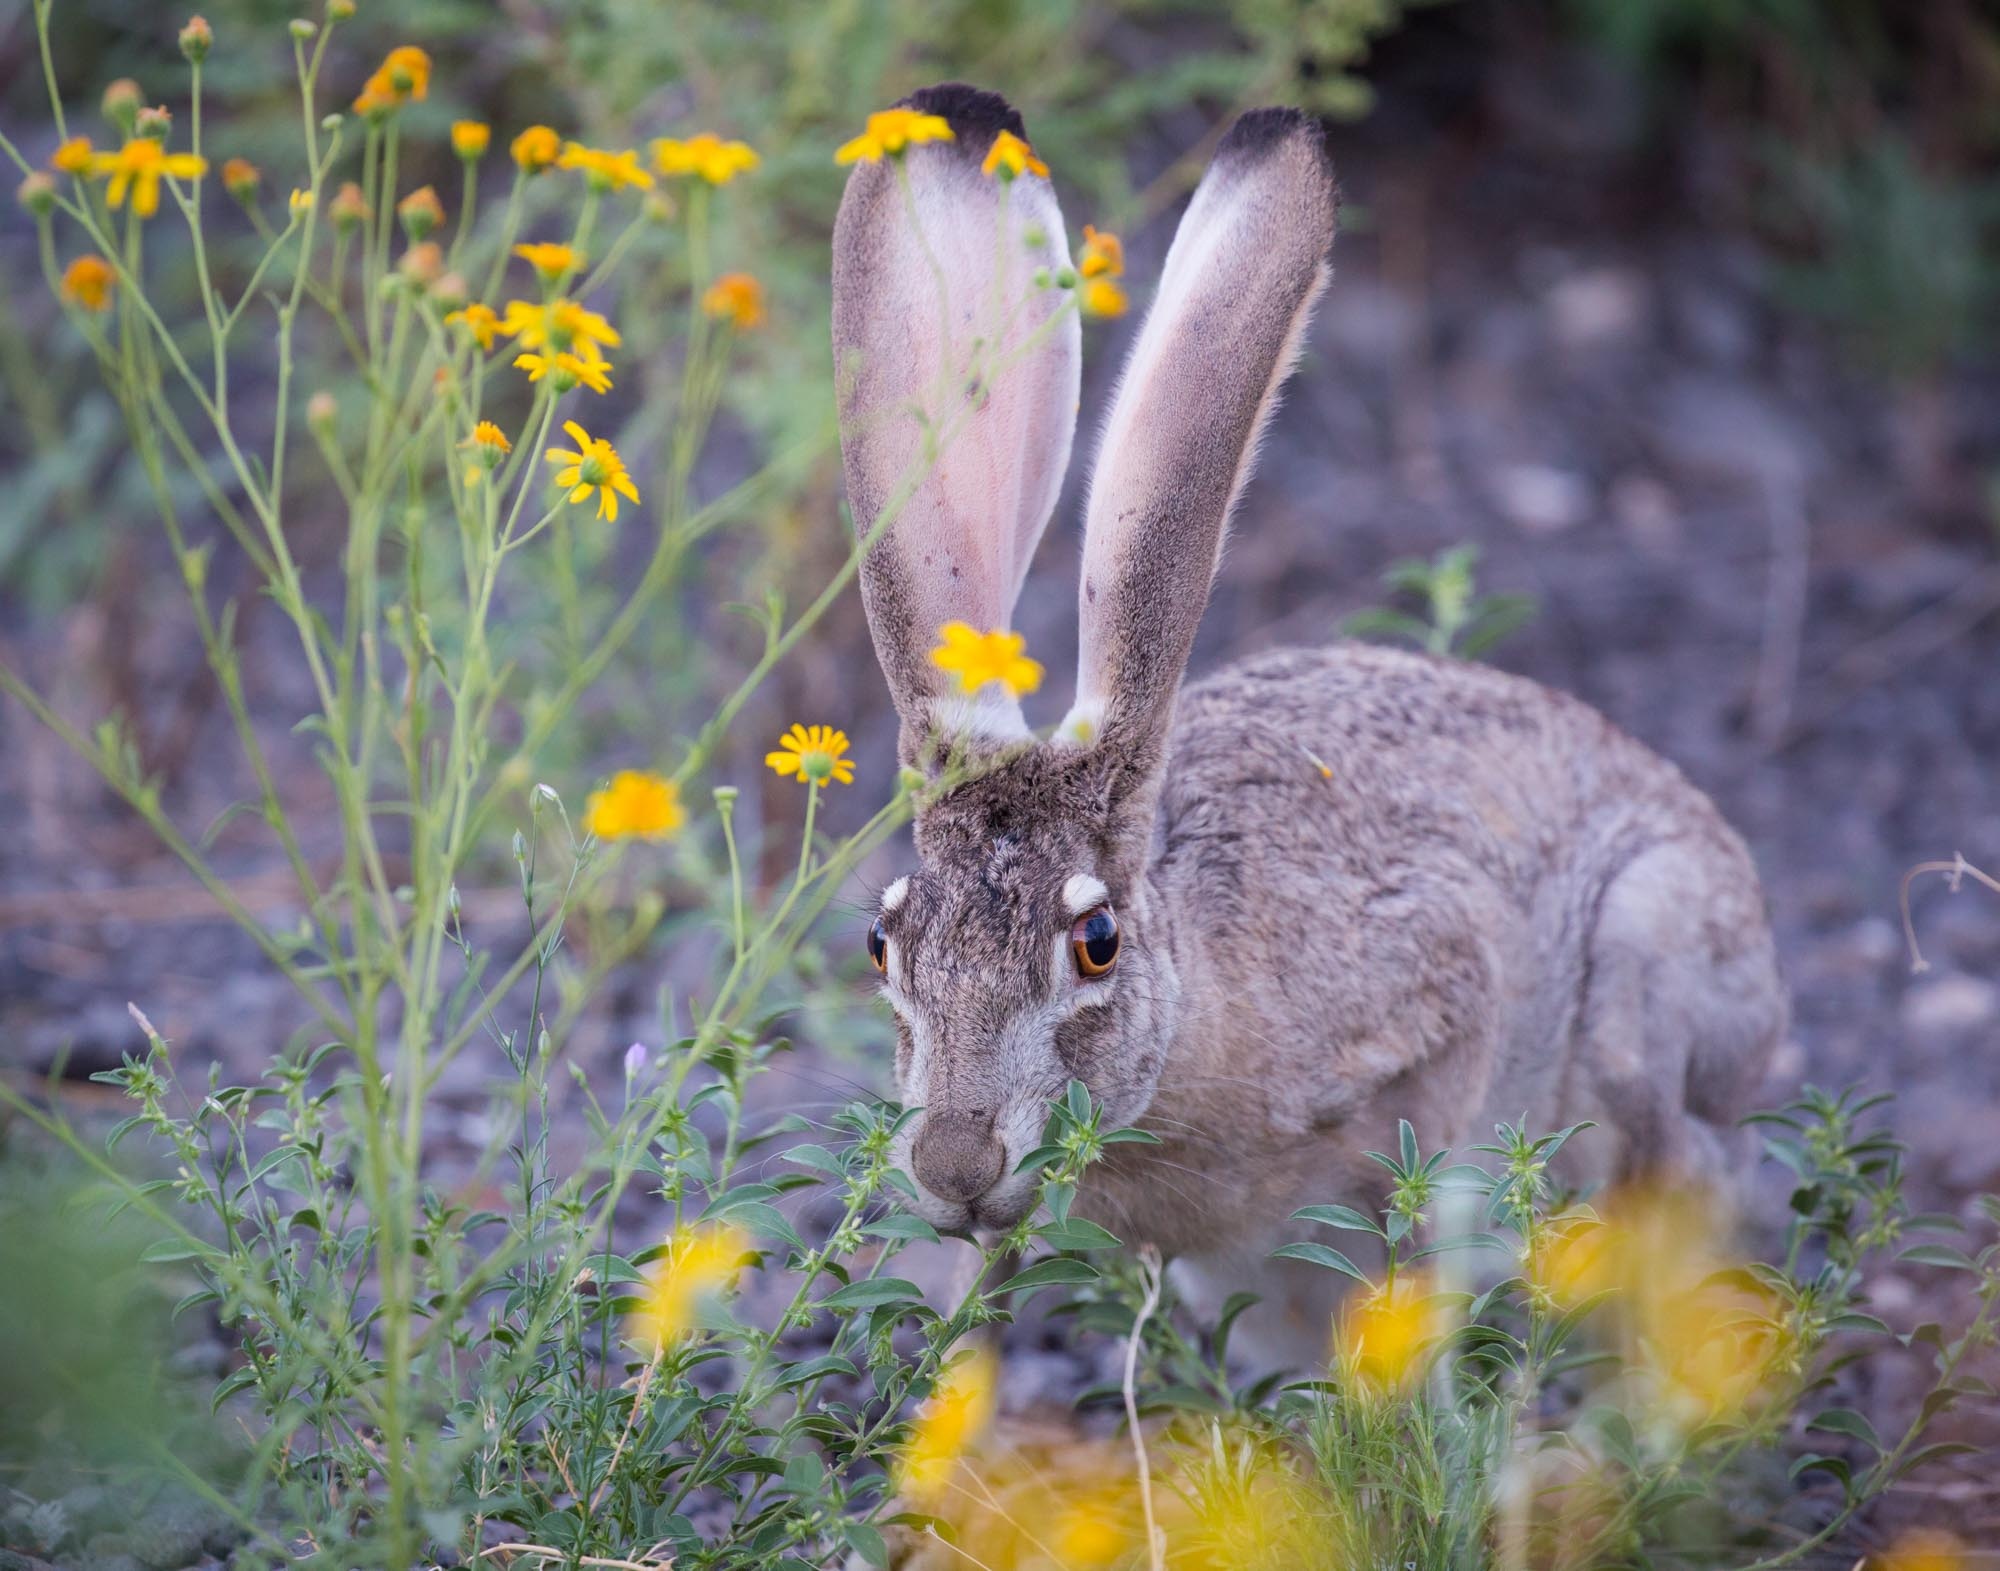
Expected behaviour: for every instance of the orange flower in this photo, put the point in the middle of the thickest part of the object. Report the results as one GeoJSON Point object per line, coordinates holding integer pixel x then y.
{"type": "Point", "coordinates": [1103, 254]}
{"type": "Point", "coordinates": [536, 148]}
{"type": "Point", "coordinates": [605, 170]}
{"type": "Point", "coordinates": [403, 77]}
{"type": "Point", "coordinates": [88, 282]}
{"type": "Point", "coordinates": [74, 156]}
{"type": "Point", "coordinates": [736, 297]}
{"type": "Point", "coordinates": [706, 156]}
{"type": "Point", "coordinates": [1010, 157]}
{"type": "Point", "coordinates": [889, 132]}
{"type": "Point", "coordinates": [470, 138]}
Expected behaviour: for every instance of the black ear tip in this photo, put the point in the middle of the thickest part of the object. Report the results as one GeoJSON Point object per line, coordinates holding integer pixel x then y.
{"type": "Point", "coordinates": [973, 113]}
{"type": "Point", "coordinates": [1260, 131]}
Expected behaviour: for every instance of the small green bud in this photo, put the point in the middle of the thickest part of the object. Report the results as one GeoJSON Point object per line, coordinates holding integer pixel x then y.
{"type": "Point", "coordinates": [121, 102]}
{"type": "Point", "coordinates": [303, 29]}
{"type": "Point", "coordinates": [196, 38]}
{"type": "Point", "coordinates": [153, 124]}
{"type": "Point", "coordinates": [37, 194]}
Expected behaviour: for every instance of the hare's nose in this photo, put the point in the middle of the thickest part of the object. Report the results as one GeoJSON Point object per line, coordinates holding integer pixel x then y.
{"type": "Point", "coordinates": [956, 1154]}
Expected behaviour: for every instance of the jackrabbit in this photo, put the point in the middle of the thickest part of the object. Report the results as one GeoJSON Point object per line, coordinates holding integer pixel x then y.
{"type": "Point", "coordinates": [1491, 903]}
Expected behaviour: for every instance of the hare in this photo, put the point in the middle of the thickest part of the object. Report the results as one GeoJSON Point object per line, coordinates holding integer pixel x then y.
{"type": "Point", "coordinates": [1488, 903]}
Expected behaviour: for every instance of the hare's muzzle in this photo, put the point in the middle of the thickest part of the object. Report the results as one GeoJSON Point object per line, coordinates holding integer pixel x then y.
{"type": "Point", "coordinates": [958, 1155]}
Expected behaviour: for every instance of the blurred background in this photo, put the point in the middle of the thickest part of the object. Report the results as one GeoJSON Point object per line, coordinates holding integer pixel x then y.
{"type": "Point", "coordinates": [1681, 313]}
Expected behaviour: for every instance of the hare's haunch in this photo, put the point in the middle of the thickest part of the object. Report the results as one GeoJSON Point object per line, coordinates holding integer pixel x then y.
{"type": "Point", "coordinates": [1490, 904]}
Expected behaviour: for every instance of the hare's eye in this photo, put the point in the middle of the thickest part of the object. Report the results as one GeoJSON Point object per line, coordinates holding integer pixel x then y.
{"type": "Point", "coordinates": [878, 945]}
{"type": "Point", "coordinates": [1093, 939]}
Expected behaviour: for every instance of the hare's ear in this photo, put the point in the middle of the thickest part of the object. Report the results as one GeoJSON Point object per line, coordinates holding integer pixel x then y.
{"type": "Point", "coordinates": [958, 396]}
{"type": "Point", "coordinates": [1249, 260]}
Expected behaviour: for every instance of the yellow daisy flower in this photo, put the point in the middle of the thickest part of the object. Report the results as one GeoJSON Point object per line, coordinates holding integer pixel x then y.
{"type": "Point", "coordinates": [1010, 157]}
{"type": "Point", "coordinates": [536, 148]}
{"type": "Point", "coordinates": [1103, 254]}
{"type": "Point", "coordinates": [889, 132]}
{"type": "Point", "coordinates": [1101, 297]}
{"type": "Point", "coordinates": [482, 322]}
{"type": "Point", "coordinates": [706, 156]}
{"type": "Point", "coordinates": [75, 156]}
{"type": "Point", "coordinates": [550, 260]}
{"type": "Point", "coordinates": [699, 1263]}
{"type": "Point", "coordinates": [471, 138]}
{"type": "Point", "coordinates": [977, 658]}
{"type": "Point", "coordinates": [567, 371]}
{"type": "Point", "coordinates": [403, 77]}
{"type": "Point", "coordinates": [560, 324]}
{"type": "Point", "coordinates": [88, 282]}
{"type": "Point", "coordinates": [137, 168]}
{"type": "Point", "coordinates": [737, 297]}
{"type": "Point", "coordinates": [945, 1427]}
{"type": "Point", "coordinates": [636, 805]}
{"type": "Point", "coordinates": [488, 444]}
{"type": "Point", "coordinates": [812, 754]}
{"type": "Point", "coordinates": [597, 467]}
{"type": "Point", "coordinates": [605, 171]}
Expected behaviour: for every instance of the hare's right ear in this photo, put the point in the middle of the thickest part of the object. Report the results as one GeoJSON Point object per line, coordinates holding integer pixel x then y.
{"type": "Point", "coordinates": [958, 396]}
{"type": "Point", "coordinates": [1245, 267]}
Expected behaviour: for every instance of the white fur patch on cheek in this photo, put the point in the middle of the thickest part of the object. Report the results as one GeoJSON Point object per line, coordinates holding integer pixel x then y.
{"type": "Point", "coordinates": [894, 896]}
{"type": "Point", "coordinates": [1084, 893]}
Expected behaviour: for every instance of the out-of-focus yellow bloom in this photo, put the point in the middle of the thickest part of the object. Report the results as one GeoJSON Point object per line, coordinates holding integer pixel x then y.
{"type": "Point", "coordinates": [550, 259]}
{"type": "Point", "coordinates": [1101, 297]}
{"type": "Point", "coordinates": [1092, 1529]}
{"type": "Point", "coordinates": [812, 754]}
{"type": "Point", "coordinates": [1010, 157]}
{"type": "Point", "coordinates": [889, 132]}
{"type": "Point", "coordinates": [567, 371]}
{"type": "Point", "coordinates": [1103, 254]}
{"type": "Point", "coordinates": [137, 168]}
{"type": "Point", "coordinates": [705, 156]}
{"type": "Point", "coordinates": [403, 77]}
{"type": "Point", "coordinates": [636, 805]}
{"type": "Point", "coordinates": [536, 148]}
{"type": "Point", "coordinates": [1716, 1346]}
{"type": "Point", "coordinates": [977, 658]}
{"type": "Point", "coordinates": [488, 444]}
{"type": "Point", "coordinates": [299, 201]}
{"type": "Point", "coordinates": [700, 1263]}
{"type": "Point", "coordinates": [1926, 1549]}
{"type": "Point", "coordinates": [956, 1415]}
{"type": "Point", "coordinates": [75, 156]}
{"type": "Point", "coordinates": [481, 321]}
{"type": "Point", "coordinates": [88, 282]}
{"type": "Point", "coordinates": [605, 170]}
{"type": "Point", "coordinates": [595, 466]}
{"type": "Point", "coordinates": [1381, 1338]}
{"type": "Point", "coordinates": [241, 179]}
{"type": "Point", "coordinates": [420, 212]}
{"type": "Point", "coordinates": [737, 298]}
{"type": "Point", "coordinates": [471, 138]}
{"type": "Point", "coordinates": [560, 324]}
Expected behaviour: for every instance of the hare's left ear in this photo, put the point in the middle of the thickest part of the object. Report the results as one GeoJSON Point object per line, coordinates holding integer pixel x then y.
{"type": "Point", "coordinates": [1247, 263]}
{"type": "Point", "coordinates": [958, 395]}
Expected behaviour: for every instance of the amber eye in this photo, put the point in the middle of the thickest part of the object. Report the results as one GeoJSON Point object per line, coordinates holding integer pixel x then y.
{"type": "Point", "coordinates": [878, 945]}
{"type": "Point", "coordinates": [1093, 939]}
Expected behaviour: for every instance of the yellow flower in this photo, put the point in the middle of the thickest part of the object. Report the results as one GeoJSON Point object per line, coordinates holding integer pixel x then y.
{"type": "Point", "coordinates": [977, 658]}
{"type": "Point", "coordinates": [471, 138]}
{"type": "Point", "coordinates": [88, 282]}
{"type": "Point", "coordinates": [738, 297]}
{"type": "Point", "coordinates": [635, 805]}
{"type": "Point", "coordinates": [300, 201]}
{"type": "Point", "coordinates": [605, 171]}
{"type": "Point", "coordinates": [488, 444]}
{"type": "Point", "coordinates": [479, 320]}
{"type": "Point", "coordinates": [536, 148]}
{"type": "Point", "coordinates": [403, 77]}
{"type": "Point", "coordinates": [1381, 1338]}
{"type": "Point", "coordinates": [240, 179]}
{"type": "Point", "coordinates": [560, 324]}
{"type": "Point", "coordinates": [707, 156]}
{"type": "Point", "coordinates": [699, 1263]}
{"type": "Point", "coordinates": [813, 754]}
{"type": "Point", "coordinates": [1103, 254]}
{"type": "Point", "coordinates": [955, 1416]}
{"type": "Point", "coordinates": [1091, 1530]}
{"type": "Point", "coordinates": [567, 371]}
{"type": "Point", "coordinates": [549, 259]}
{"type": "Point", "coordinates": [1009, 156]}
{"type": "Point", "coordinates": [75, 156]}
{"type": "Point", "coordinates": [889, 131]}
{"type": "Point", "coordinates": [136, 168]}
{"type": "Point", "coordinates": [1926, 1549]}
{"type": "Point", "coordinates": [1101, 297]}
{"type": "Point", "coordinates": [597, 467]}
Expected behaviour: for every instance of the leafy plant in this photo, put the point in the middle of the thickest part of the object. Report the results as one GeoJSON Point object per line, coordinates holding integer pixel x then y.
{"type": "Point", "coordinates": [1456, 619]}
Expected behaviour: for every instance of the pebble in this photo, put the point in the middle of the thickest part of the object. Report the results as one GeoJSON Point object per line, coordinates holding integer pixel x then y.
{"type": "Point", "coordinates": [1540, 499]}
{"type": "Point", "coordinates": [1950, 1003]}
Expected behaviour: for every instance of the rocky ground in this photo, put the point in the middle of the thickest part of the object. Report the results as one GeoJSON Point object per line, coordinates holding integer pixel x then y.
{"type": "Point", "coordinates": [1536, 343]}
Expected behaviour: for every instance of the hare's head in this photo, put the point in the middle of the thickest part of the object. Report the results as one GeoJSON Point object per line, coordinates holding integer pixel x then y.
{"type": "Point", "coordinates": [1025, 948]}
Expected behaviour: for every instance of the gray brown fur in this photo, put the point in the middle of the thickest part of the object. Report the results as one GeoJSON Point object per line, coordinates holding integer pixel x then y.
{"type": "Point", "coordinates": [1497, 906]}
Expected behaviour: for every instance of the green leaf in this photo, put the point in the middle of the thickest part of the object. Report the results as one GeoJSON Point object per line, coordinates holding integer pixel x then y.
{"type": "Point", "coordinates": [865, 1542]}
{"type": "Point", "coordinates": [1320, 1255]}
{"type": "Point", "coordinates": [1938, 1255]}
{"type": "Point", "coordinates": [871, 1292]}
{"type": "Point", "coordinates": [1130, 1137]}
{"type": "Point", "coordinates": [170, 1249]}
{"type": "Point", "coordinates": [904, 1225]}
{"type": "Point", "coordinates": [1076, 1233]}
{"type": "Point", "coordinates": [1406, 1142]}
{"type": "Point", "coordinates": [1056, 1271]}
{"type": "Point", "coordinates": [1845, 1421]}
{"type": "Point", "coordinates": [1338, 1216]}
